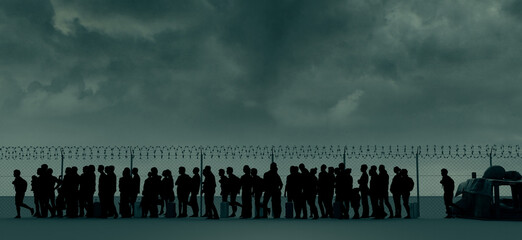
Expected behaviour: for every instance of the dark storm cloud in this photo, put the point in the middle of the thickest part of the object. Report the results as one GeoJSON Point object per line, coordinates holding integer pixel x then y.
{"type": "Point", "coordinates": [184, 72]}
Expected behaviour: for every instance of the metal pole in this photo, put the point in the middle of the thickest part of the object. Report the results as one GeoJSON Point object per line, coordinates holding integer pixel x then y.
{"type": "Point", "coordinates": [418, 188]}
{"type": "Point", "coordinates": [344, 156]}
{"type": "Point", "coordinates": [491, 156]}
{"type": "Point", "coordinates": [201, 182]}
{"type": "Point", "coordinates": [272, 156]}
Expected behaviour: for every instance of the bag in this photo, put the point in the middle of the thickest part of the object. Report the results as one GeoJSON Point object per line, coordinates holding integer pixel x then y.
{"type": "Point", "coordinates": [414, 210]}
{"type": "Point", "coordinates": [224, 209]}
{"type": "Point", "coordinates": [96, 210]}
{"type": "Point", "coordinates": [289, 210]}
{"type": "Point", "coordinates": [138, 211]}
{"type": "Point", "coordinates": [337, 210]}
{"type": "Point", "coordinates": [171, 210]}
{"type": "Point", "coordinates": [261, 212]}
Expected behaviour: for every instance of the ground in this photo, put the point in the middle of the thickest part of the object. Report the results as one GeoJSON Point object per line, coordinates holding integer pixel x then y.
{"type": "Point", "coordinates": [31, 228]}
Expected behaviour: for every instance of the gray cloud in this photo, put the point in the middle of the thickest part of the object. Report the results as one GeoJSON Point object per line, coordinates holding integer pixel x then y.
{"type": "Point", "coordinates": [267, 72]}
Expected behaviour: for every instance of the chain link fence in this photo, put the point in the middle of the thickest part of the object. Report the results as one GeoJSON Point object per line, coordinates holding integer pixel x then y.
{"type": "Point", "coordinates": [422, 162]}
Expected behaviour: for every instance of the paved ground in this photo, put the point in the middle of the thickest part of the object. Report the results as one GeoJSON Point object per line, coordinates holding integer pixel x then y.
{"type": "Point", "coordinates": [31, 228]}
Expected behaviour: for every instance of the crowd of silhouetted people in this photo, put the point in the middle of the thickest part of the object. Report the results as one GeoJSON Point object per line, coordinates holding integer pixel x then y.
{"type": "Point", "coordinates": [73, 194]}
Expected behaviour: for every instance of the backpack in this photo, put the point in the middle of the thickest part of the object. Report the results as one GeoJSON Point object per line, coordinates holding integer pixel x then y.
{"type": "Point", "coordinates": [410, 184]}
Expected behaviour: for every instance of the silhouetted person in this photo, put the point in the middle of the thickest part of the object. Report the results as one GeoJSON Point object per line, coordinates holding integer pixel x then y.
{"type": "Point", "coordinates": [293, 190]}
{"type": "Point", "coordinates": [364, 190]}
{"type": "Point", "coordinates": [60, 198]}
{"type": "Point", "coordinates": [224, 185]}
{"type": "Point", "coordinates": [102, 190]}
{"type": "Point", "coordinates": [341, 190]}
{"type": "Point", "coordinates": [348, 191]}
{"type": "Point", "coordinates": [84, 182]}
{"type": "Point", "coordinates": [149, 198]}
{"type": "Point", "coordinates": [35, 188]}
{"type": "Point", "coordinates": [449, 186]}
{"type": "Point", "coordinates": [111, 182]}
{"type": "Point", "coordinates": [183, 182]}
{"type": "Point", "coordinates": [167, 189]}
{"type": "Point", "coordinates": [44, 191]}
{"type": "Point", "coordinates": [383, 196]}
{"type": "Point", "coordinates": [331, 190]}
{"type": "Point", "coordinates": [194, 191]}
{"type": "Point", "coordinates": [209, 189]}
{"type": "Point", "coordinates": [126, 188]}
{"type": "Point", "coordinates": [304, 184]}
{"type": "Point", "coordinates": [136, 181]}
{"type": "Point", "coordinates": [20, 186]}
{"type": "Point", "coordinates": [51, 188]}
{"type": "Point", "coordinates": [396, 188]}
{"type": "Point", "coordinates": [257, 187]}
{"type": "Point", "coordinates": [155, 184]}
{"type": "Point", "coordinates": [246, 193]}
{"type": "Point", "coordinates": [70, 187]}
{"type": "Point", "coordinates": [374, 191]}
{"type": "Point", "coordinates": [406, 187]}
{"type": "Point", "coordinates": [355, 200]}
{"type": "Point", "coordinates": [272, 185]}
{"type": "Point", "coordinates": [311, 193]}
{"type": "Point", "coordinates": [323, 188]}
{"type": "Point", "coordinates": [234, 188]}
{"type": "Point", "coordinates": [91, 188]}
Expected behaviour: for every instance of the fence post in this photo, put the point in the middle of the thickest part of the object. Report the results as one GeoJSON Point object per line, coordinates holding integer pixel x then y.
{"type": "Point", "coordinates": [201, 182]}
{"type": "Point", "coordinates": [344, 156]}
{"type": "Point", "coordinates": [491, 156]}
{"type": "Point", "coordinates": [61, 168]}
{"type": "Point", "coordinates": [417, 173]}
{"type": "Point", "coordinates": [131, 158]}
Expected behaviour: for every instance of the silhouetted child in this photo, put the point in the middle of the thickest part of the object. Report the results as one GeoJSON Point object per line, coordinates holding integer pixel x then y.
{"type": "Point", "coordinates": [20, 186]}
{"type": "Point", "coordinates": [448, 185]}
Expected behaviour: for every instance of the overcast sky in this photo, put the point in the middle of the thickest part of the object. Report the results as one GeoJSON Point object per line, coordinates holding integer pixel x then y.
{"type": "Point", "coordinates": [75, 72]}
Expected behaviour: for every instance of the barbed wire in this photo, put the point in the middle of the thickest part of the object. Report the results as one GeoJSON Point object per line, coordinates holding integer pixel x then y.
{"type": "Point", "coordinates": [262, 152]}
